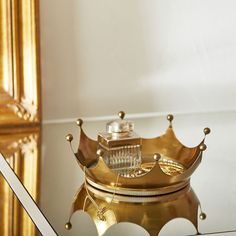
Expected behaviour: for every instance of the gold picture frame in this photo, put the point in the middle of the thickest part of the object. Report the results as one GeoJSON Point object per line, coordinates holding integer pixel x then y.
{"type": "Point", "coordinates": [20, 108]}
{"type": "Point", "coordinates": [19, 63]}
{"type": "Point", "coordinates": [22, 150]}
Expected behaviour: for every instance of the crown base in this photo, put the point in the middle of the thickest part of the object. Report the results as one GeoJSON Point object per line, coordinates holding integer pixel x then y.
{"type": "Point", "coordinates": [139, 191]}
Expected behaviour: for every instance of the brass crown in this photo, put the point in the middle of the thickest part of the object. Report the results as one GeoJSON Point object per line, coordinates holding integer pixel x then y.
{"type": "Point", "coordinates": [167, 164]}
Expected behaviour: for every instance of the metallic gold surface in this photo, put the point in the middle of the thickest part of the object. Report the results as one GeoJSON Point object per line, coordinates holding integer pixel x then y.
{"type": "Point", "coordinates": [121, 114]}
{"type": "Point", "coordinates": [173, 170]}
{"type": "Point", "coordinates": [79, 122]}
{"type": "Point", "coordinates": [68, 226]}
{"type": "Point", "coordinates": [157, 157]}
{"type": "Point", "coordinates": [151, 213]}
{"type": "Point", "coordinates": [171, 167]}
{"type": "Point", "coordinates": [203, 147]}
{"type": "Point", "coordinates": [170, 117]}
{"type": "Point", "coordinates": [69, 137]}
{"type": "Point", "coordinates": [202, 216]}
{"type": "Point", "coordinates": [207, 130]}
{"type": "Point", "coordinates": [22, 151]}
{"type": "Point", "coordinates": [19, 63]}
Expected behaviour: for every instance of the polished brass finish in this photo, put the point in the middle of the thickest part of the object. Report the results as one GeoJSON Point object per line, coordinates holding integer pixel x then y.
{"type": "Point", "coordinates": [207, 131]}
{"type": "Point", "coordinates": [68, 226]}
{"type": "Point", "coordinates": [170, 117]}
{"type": "Point", "coordinates": [22, 151]}
{"type": "Point", "coordinates": [79, 122]}
{"type": "Point", "coordinates": [151, 213]}
{"type": "Point", "coordinates": [19, 63]}
{"type": "Point", "coordinates": [69, 137]}
{"type": "Point", "coordinates": [100, 152]}
{"type": "Point", "coordinates": [173, 170]}
{"type": "Point", "coordinates": [202, 216]}
{"type": "Point", "coordinates": [88, 163]}
{"type": "Point", "coordinates": [121, 114]}
{"type": "Point", "coordinates": [157, 156]}
{"type": "Point", "coordinates": [203, 147]}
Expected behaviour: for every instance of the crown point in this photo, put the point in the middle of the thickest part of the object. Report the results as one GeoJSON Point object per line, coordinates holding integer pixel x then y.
{"type": "Point", "coordinates": [207, 131]}
{"type": "Point", "coordinates": [203, 147]}
{"type": "Point", "coordinates": [170, 117]}
{"type": "Point", "coordinates": [79, 122]}
{"type": "Point", "coordinates": [68, 226]}
{"type": "Point", "coordinates": [121, 114]}
{"type": "Point", "coordinates": [100, 152]}
{"type": "Point", "coordinates": [69, 137]}
{"type": "Point", "coordinates": [157, 156]}
{"type": "Point", "coordinates": [202, 216]}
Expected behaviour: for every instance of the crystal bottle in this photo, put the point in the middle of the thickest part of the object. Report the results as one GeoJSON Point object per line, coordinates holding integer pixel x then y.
{"type": "Point", "coordinates": [121, 145]}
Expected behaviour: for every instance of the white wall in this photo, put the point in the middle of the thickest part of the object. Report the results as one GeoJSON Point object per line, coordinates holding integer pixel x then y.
{"type": "Point", "coordinates": [138, 55]}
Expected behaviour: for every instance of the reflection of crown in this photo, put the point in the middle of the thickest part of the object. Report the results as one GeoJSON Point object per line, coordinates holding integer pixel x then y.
{"type": "Point", "coordinates": [152, 213]}
{"type": "Point", "coordinates": [165, 165]}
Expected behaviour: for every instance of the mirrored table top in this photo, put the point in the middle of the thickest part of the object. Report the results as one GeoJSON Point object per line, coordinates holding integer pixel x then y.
{"type": "Point", "coordinates": [59, 176]}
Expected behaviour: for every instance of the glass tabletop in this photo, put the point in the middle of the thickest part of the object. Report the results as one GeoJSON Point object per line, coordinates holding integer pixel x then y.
{"type": "Point", "coordinates": [53, 168]}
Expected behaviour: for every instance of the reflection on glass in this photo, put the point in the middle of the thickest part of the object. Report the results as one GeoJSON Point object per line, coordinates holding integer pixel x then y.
{"type": "Point", "coordinates": [22, 151]}
{"type": "Point", "coordinates": [152, 213]}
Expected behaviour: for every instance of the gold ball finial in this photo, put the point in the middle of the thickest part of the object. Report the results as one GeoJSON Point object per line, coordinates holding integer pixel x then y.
{"type": "Point", "coordinates": [202, 216]}
{"type": "Point", "coordinates": [68, 226]}
{"type": "Point", "coordinates": [79, 122]}
{"type": "Point", "coordinates": [207, 131]}
{"type": "Point", "coordinates": [170, 117]}
{"type": "Point", "coordinates": [203, 147]}
{"type": "Point", "coordinates": [69, 137]}
{"type": "Point", "coordinates": [157, 156]}
{"type": "Point", "coordinates": [100, 152]}
{"type": "Point", "coordinates": [121, 114]}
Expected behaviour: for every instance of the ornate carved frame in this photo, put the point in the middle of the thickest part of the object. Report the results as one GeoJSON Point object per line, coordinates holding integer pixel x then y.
{"type": "Point", "coordinates": [19, 63]}
{"type": "Point", "coordinates": [20, 107]}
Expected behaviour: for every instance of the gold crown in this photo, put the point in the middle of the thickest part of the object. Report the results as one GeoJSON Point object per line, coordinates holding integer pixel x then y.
{"type": "Point", "coordinates": [166, 164]}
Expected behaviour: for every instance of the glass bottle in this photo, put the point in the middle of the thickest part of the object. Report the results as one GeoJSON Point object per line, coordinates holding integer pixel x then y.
{"type": "Point", "coordinates": [121, 145]}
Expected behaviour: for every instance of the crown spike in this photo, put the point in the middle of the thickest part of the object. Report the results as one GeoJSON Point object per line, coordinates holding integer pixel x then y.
{"type": "Point", "coordinates": [203, 147]}
{"type": "Point", "coordinates": [69, 137]}
{"type": "Point", "coordinates": [121, 114]}
{"type": "Point", "coordinates": [202, 216]}
{"type": "Point", "coordinates": [79, 122]}
{"type": "Point", "coordinates": [68, 226]}
{"type": "Point", "coordinates": [100, 152]}
{"type": "Point", "coordinates": [207, 131]}
{"type": "Point", "coordinates": [170, 118]}
{"type": "Point", "coordinates": [157, 157]}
